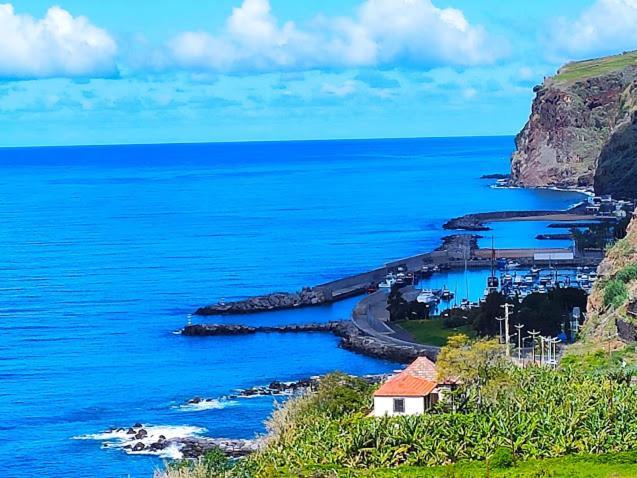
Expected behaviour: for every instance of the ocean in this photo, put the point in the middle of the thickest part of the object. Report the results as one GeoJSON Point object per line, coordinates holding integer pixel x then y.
{"type": "Point", "coordinates": [107, 250]}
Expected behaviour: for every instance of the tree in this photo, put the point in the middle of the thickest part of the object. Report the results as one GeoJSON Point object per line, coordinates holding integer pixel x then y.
{"type": "Point", "coordinates": [485, 322]}
{"type": "Point", "coordinates": [471, 363]}
{"type": "Point", "coordinates": [399, 309]}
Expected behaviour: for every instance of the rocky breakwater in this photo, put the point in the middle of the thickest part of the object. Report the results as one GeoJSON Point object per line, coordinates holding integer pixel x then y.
{"type": "Point", "coordinates": [276, 301]}
{"type": "Point", "coordinates": [573, 116]}
{"type": "Point", "coordinates": [352, 338]}
{"type": "Point", "coordinates": [208, 330]}
{"type": "Point", "coordinates": [477, 221]}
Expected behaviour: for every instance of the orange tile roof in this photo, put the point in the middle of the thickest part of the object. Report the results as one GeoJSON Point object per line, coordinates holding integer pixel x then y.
{"type": "Point", "coordinates": [422, 367]}
{"type": "Point", "coordinates": [405, 385]}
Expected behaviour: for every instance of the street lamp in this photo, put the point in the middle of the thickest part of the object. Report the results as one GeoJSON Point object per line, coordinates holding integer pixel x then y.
{"type": "Point", "coordinates": [519, 327]}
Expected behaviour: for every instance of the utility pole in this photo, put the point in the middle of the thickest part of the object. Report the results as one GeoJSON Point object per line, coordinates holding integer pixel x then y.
{"type": "Point", "coordinates": [554, 342]}
{"type": "Point", "coordinates": [500, 319]}
{"type": "Point", "coordinates": [506, 327]}
{"type": "Point", "coordinates": [519, 327]}
{"type": "Point", "coordinates": [534, 333]}
{"type": "Point", "coordinates": [542, 350]}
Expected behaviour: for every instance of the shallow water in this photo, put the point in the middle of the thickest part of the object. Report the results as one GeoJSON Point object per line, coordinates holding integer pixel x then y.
{"type": "Point", "coordinates": [107, 249]}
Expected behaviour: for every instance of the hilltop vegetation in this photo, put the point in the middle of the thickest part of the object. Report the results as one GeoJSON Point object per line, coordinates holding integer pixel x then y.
{"type": "Point", "coordinates": [581, 70]}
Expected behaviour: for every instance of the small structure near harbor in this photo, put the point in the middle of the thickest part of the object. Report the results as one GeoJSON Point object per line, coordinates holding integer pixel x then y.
{"type": "Point", "coordinates": [413, 391]}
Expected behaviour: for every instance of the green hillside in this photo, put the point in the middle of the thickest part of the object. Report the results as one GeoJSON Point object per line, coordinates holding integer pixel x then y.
{"type": "Point", "coordinates": [580, 70]}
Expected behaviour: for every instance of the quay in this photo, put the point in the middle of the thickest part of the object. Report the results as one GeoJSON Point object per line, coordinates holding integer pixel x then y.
{"type": "Point", "coordinates": [456, 252]}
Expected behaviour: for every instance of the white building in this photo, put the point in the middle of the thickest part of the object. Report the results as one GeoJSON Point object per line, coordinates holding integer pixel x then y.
{"type": "Point", "coordinates": [411, 392]}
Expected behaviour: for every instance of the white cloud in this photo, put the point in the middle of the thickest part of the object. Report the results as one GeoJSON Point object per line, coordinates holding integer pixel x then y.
{"type": "Point", "coordinates": [56, 45]}
{"type": "Point", "coordinates": [382, 33]}
{"type": "Point", "coordinates": [607, 26]}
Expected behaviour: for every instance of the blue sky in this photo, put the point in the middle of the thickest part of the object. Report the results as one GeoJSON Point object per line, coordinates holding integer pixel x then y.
{"type": "Point", "coordinates": [104, 72]}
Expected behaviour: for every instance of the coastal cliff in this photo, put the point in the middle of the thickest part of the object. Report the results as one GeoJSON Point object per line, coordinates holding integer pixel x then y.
{"type": "Point", "coordinates": [580, 120]}
{"type": "Point", "coordinates": [610, 313]}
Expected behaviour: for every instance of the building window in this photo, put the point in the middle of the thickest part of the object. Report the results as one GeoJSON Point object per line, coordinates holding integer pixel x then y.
{"type": "Point", "coordinates": [399, 405]}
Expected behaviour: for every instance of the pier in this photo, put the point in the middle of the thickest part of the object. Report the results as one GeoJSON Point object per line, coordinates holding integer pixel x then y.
{"type": "Point", "coordinates": [457, 251]}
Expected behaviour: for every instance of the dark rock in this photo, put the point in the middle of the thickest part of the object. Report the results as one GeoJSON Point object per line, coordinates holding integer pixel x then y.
{"type": "Point", "coordinates": [130, 431]}
{"type": "Point", "coordinates": [141, 434]}
{"type": "Point", "coordinates": [138, 425]}
{"type": "Point", "coordinates": [139, 446]}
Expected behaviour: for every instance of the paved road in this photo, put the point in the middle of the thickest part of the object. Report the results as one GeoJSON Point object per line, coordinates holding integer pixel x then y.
{"type": "Point", "coordinates": [372, 318]}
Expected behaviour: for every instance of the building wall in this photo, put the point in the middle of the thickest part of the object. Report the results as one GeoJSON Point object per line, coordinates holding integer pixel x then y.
{"type": "Point", "coordinates": [385, 406]}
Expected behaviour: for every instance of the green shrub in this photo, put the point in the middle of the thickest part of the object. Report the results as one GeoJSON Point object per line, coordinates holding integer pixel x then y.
{"type": "Point", "coordinates": [502, 458]}
{"type": "Point", "coordinates": [628, 273]}
{"type": "Point", "coordinates": [615, 293]}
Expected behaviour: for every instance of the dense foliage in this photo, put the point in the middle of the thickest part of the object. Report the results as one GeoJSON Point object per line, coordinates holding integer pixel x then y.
{"type": "Point", "coordinates": [400, 309]}
{"type": "Point", "coordinates": [532, 412]}
{"type": "Point", "coordinates": [548, 313]}
{"type": "Point", "coordinates": [615, 293]}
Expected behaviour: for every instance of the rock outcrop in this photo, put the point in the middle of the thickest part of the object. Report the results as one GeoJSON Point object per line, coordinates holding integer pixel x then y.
{"type": "Point", "coordinates": [616, 172]}
{"type": "Point", "coordinates": [606, 323]}
{"type": "Point", "coordinates": [574, 116]}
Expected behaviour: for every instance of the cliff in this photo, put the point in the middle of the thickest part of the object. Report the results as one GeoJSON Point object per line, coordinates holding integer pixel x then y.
{"type": "Point", "coordinates": [609, 302]}
{"type": "Point", "coordinates": [581, 118]}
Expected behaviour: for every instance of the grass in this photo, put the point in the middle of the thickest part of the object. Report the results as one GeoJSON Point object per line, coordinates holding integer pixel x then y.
{"type": "Point", "coordinates": [431, 332]}
{"type": "Point", "coordinates": [580, 70]}
{"type": "Point", "coordinates": [614, 465]}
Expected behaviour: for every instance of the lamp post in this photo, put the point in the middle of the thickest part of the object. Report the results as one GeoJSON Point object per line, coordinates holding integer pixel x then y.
{"type": "Point", "coordinates": [500, 319]}
{"type": "Point", "coordinates": [506, 327]}
{"type": "Point", "coordinates": [519, 327]}
{"type": "Point", "coordinates": [534, 333]}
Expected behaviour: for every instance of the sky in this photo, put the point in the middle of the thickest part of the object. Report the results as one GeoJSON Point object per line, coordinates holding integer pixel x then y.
{"type": "Point", "coordinates": [163, 71]}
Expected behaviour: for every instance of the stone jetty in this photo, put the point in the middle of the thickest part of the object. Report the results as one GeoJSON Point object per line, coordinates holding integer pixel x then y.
{"type": "Point", "coordinates": [207, 330]}
{"type": "Point", "coordinates": [276, 301]}
{"type": "Point", "coordinates": [352, 338]}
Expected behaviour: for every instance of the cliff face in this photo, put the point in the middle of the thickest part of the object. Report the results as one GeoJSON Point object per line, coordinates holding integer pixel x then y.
{"type": "Point", "coordinates": [602, 320]}
{"type": "Point", "coordinates": [616, 171]}
{"type": "Point", "coordinates": [574, 116]}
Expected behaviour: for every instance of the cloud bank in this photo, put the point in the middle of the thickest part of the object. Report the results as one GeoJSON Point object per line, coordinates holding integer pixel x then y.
{"type": "Point", "coordinates": [56, 45]}
{"type": "Point", "coordinates": [381, 33]}
{"type": "Point", "coordinates": [607, 26]}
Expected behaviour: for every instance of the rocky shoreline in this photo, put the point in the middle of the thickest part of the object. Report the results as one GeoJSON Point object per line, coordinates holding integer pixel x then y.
{"type": "Point", "coordinates": [144, 440]}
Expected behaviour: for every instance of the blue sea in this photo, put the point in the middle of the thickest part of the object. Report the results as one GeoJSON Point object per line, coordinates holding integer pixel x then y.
{"type": "Point", "coordinates": [106, 250]}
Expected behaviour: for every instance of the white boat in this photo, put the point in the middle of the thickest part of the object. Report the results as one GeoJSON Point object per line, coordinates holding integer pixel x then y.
{"type": "Point", "coordinates": [512, 265]}
{"type": "Point", "coordinates": [528, 279]}
{"type": "Point", "coordinates": [518, 280]}
{"type": "Point", "coordinates": [535, 270]}
{"type": "Point", "coordinates": [427, 296]}
{"type": "Point", "coordinates": [389, 281]}
{"type": "Point", "coordinates": [581, 277]}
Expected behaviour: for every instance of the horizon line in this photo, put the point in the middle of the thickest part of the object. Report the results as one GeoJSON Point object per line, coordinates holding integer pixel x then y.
{"type": "Point", "coordinates": [267, 141]}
